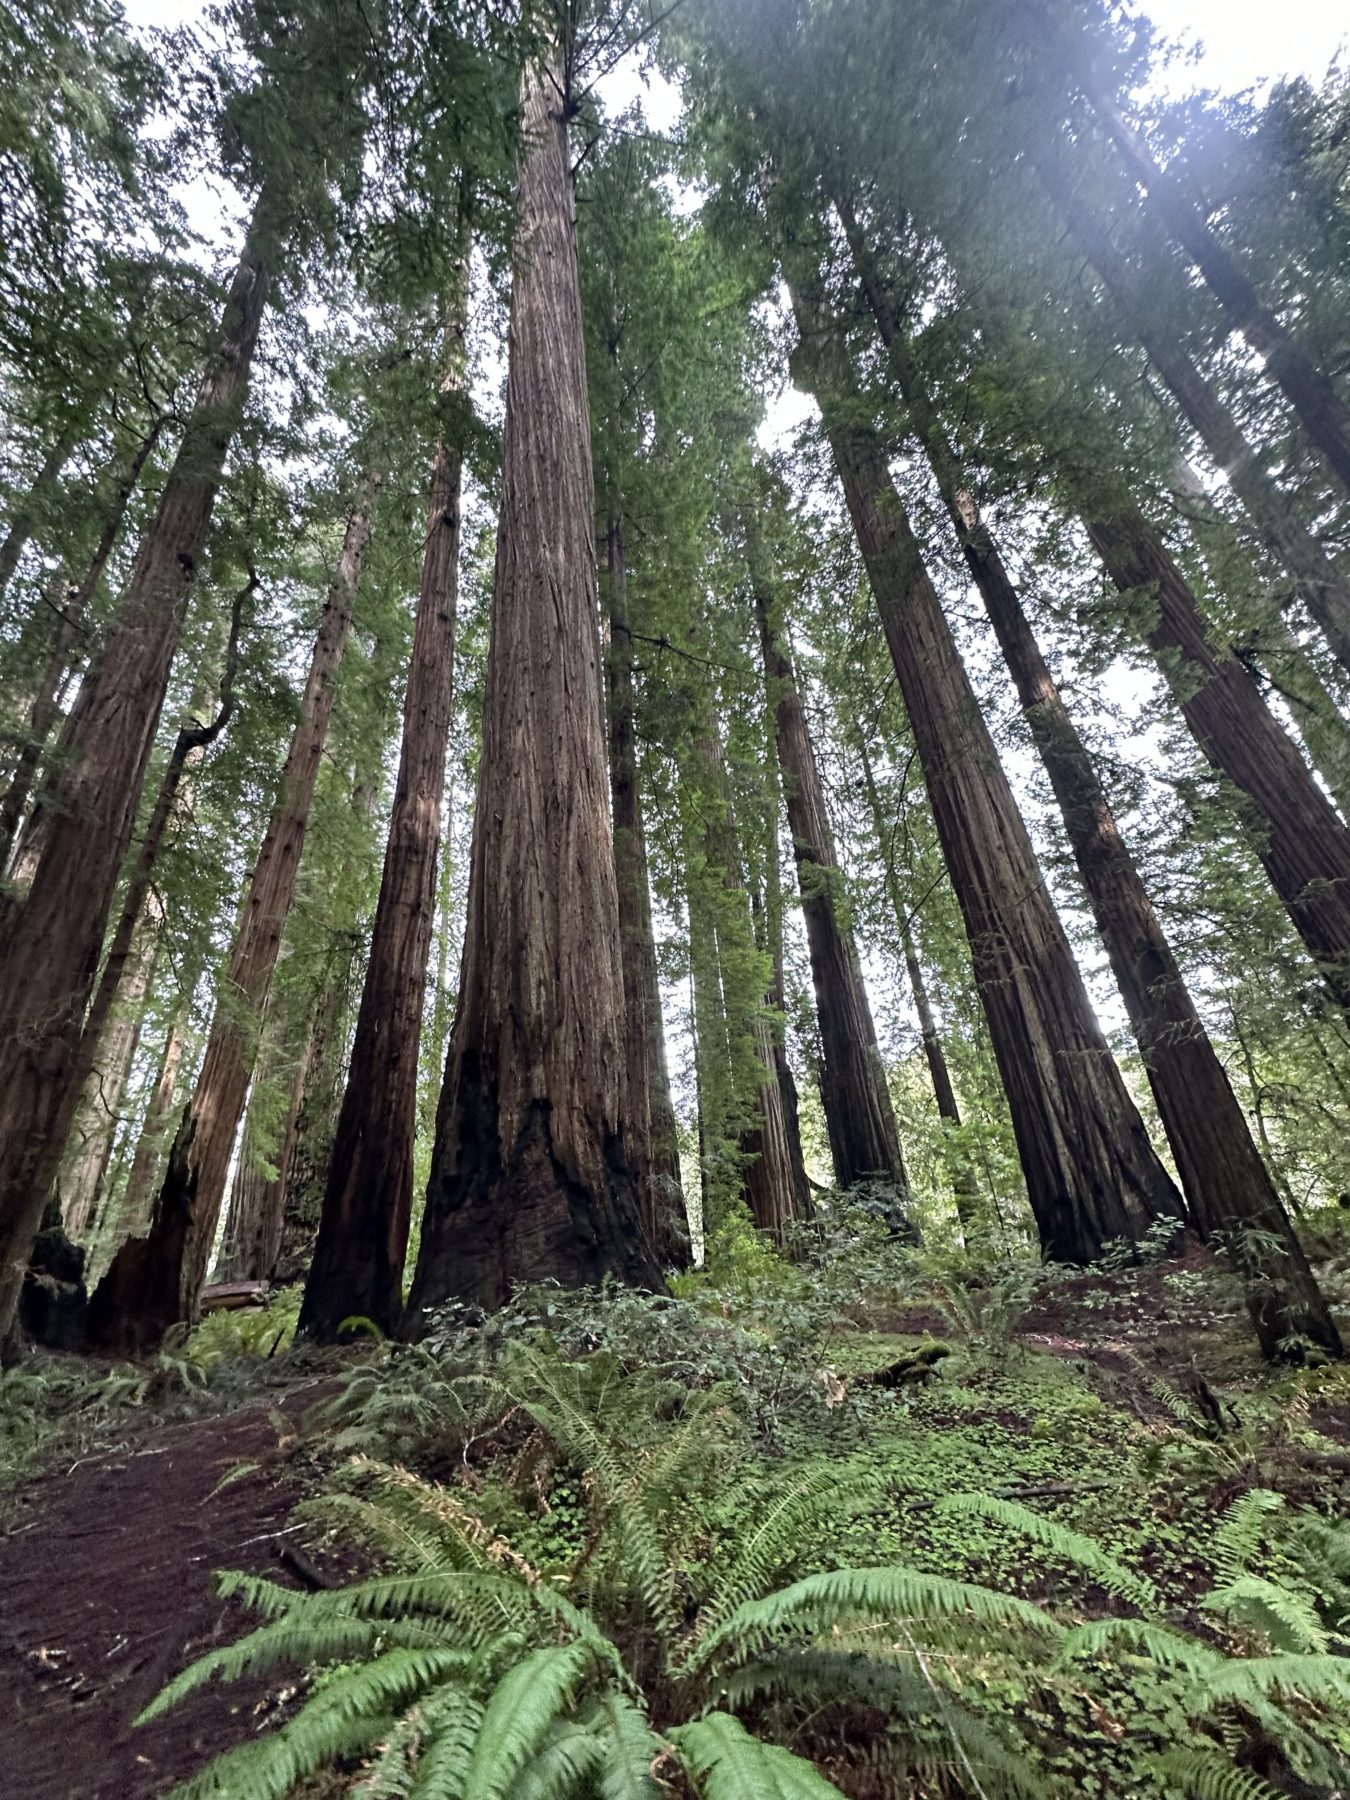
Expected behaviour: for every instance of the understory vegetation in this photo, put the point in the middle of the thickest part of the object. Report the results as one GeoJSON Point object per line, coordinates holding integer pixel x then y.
{"type": "Point", "coordinates": [874, 1522]}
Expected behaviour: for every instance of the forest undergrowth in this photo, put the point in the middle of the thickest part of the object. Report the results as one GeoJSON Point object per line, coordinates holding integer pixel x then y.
{"type": "Point", "coordinates": [876, 1522]}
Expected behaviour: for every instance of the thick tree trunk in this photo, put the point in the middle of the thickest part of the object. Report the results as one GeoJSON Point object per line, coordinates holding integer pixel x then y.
{"type": "Point", "coordinates": [1091, 1173]}
{"type": "Point", "coordinates": [1324, 416]}
{"type": "Point", "coordinates": [538, 1171]}
{"type": "Point", "coordinates": [51, 953]}
{"type": "Point", "coordinates": [156, 1281]}
{"type": "Point", "coordinates": [1303, 845]}
{"type": "Point", "coordinates": [648, 1080]}
{"type": "Point", "coordinates": [859, 1116]}
{"type": "Point", "coordinates": [1324, 590]}
{"type": "Point", "coordinates": [367, 1207]}
{"type": "Point", "coordinates": [965, 1190]}
{"type": "Point", "coordinates": [28, 514]}
{"type": "Point", "coordinates": [1226, 1184]}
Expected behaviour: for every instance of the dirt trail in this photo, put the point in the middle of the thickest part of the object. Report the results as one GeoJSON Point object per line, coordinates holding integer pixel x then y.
{"type": "Point", "coordinates": [105, 1592]}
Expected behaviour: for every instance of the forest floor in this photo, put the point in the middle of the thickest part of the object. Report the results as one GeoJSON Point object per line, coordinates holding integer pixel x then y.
{"type": "Point", "coordinates": [1114, 1402]}
{"type": "Point", "coordinates": [106, 1575]}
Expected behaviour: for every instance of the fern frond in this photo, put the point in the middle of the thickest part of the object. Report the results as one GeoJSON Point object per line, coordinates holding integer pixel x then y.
{"type": "Point", "coordinates": [1287, 1618]}
{"type": "Point", "coordinates": [819, 1602]}
{"type": "Point", "coordinates": [777, 1537]}
{"type": "Point", "coordinates": [437, 1738]}
{"type": "Point", "coordinates": [567, 1765]}
{"type": "Point", "coordinates": [521, 1713]}
{"type": "Point", "coordinates": [1242, 1529]}
{"type": "Point", "coordinates": [353, 1711]}
{"type": "Point", "coordinates": [1208, 1775]}
{"type": "Point", "coordinates": [1316, 1678]}
{"type": "Point", "coordinates": [629, 1746]}
{"type": "Point", "coordinates": [728, 1763]}
{"type": "Point", "coordinates": [1172, 1649]}
{"type": "Point", "coordinates": [1070, 1546]}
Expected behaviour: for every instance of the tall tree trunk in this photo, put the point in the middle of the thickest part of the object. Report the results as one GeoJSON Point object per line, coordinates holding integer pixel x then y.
{"type": "Point", "coordinates": [1227, 1186]}
{"type": "Point", "coordinates": [28, 513]}
{"type": "Point", "coordinates": [124, 965]}
{"type": "Point", "coordinates": [537, 1171]}
{"type": "Point", "coordinates": [965, 1190]}
{"type": "Point", "coordinates": [96, 1119]}
{"type": "Point", "coordinates": [50, 955]}
{"type": "Point", "coordinates": [1091, 1173]}
{"type": "Point", "coordinates": [1324, 590]}
{"type": "Point", "coordinates": [137, 1200]}
{"type": "Point", "coordinates": [771, 1165]}
{"type": "Point", "coordinates": [1310, 392]}
{"type": "Point", "coordinates": [367, 1207]}
{"type": "Point", "coordinates": [648, 1080]}
{"type": "Point", "coordinates": [46, 703]}
{"type": "Point", "coordinates": [1303, 845]}
{"type": "Point", "coordinates": [156, 1281]}
{"type": "Point", "coordinates": [803, 1204]}
{"type": "Point", "coordinates": [859, 1116]}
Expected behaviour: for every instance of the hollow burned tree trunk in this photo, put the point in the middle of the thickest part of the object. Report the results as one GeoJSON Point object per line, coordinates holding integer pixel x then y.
{"type": "Point", "coordinates": [156, 1281]}
{"type": "Point", "coordinates": [537, 1170]}
{"type": "Point", "coordinates": [51, 953]}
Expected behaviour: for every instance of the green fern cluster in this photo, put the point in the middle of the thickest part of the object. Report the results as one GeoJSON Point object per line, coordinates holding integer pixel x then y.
{"type": "Point", "coordinates": [682, 1642]}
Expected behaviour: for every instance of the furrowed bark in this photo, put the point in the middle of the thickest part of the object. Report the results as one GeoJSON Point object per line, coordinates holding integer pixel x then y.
{"type": "Point", "coordinates": [648, 1081]}
{"type": "Point", "coordinates": [51, 953]}
{"type": "Point", "coordinates": [1226, 1184]}
{"type": "Point", "coordinates": [367, 1208]}
{"type": "Point", "coordinates": [1303, 845]}
{"type": "Point", "coordinates": [859, 1116]}
{"type": "Point", "coordinates": [155, 1282]}
{"type": "Point", "coordinates": [1092, 1174]}
{"type": "Point", "coordinates": [538, 1169]}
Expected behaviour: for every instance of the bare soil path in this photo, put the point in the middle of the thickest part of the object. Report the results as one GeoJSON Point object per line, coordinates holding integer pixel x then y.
{"type": "Point", "coordinates": [106, 1592]}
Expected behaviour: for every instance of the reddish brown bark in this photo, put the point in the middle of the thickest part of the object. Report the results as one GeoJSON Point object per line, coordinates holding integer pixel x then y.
{"type": "Point", "coordinates": [367, 1208]}
{"type": "Point", "coordinates": [156, 1281]}
{"type": "Point", "coordinates": [1227, 1186]}
{"type": "Point", "coordinates": [1303, 844]}
{"type": "Point", "coordinates": [859, 1116]}
{"type": "Point", "coordinates": [1091, 1173]}
{"type": "Point", "coordinates": [537, 1171]}
{"type": "Point", "coordinates": [51, 953]}
{"type": "Point", "coordinates": [965, 1190]}
{"type": "Point", "coordinates": [648, 1080]}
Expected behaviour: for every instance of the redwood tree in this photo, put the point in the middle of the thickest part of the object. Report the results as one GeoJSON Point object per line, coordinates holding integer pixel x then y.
{"type": "Point", "coordinates": [156, 1281]}
{"type": "Point", "coordinates": [1227, 1186]}
{"type": "Point", "coordinates": [367, 1208]}
{"type": "Point", "coordinates": [537, 1170]}
{"type": "Point", "coordinates": [51, 953]}
{"type": "Point", "coordinates": [1091, 1173]}
{"type": "Point", "coordinates": [859, 1116]}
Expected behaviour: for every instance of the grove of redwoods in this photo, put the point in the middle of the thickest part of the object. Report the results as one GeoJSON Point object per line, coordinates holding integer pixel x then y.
{"type": "Point", "coordinates": [487, 807]}
{"type": "Point", "coordinates": [730, 743]}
